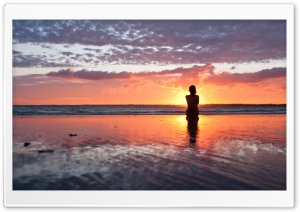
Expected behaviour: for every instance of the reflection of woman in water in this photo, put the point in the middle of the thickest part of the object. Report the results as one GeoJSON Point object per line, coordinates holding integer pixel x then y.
{"type": "Point", "coordinates": [192, 101]}
{"type": "Point", "coordinates": [193, 129]}
{"type": "Point", "coordinates": [192, 113]}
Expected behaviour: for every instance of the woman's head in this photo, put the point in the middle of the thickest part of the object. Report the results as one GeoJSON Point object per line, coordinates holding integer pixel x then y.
{"type": "Point", "coordinates": [192, 90]}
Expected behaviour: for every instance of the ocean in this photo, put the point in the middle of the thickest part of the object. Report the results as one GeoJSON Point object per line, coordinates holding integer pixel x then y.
{"type": "Point", "coordinates": [209, 109]}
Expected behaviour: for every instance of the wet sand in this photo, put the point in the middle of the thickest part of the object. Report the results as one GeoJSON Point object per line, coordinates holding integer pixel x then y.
{"type": "Point", "coordinates": [151, 152]}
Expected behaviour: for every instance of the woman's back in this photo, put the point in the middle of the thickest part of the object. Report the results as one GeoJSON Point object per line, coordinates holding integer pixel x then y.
{"type": "Point", "coordinates": [192, 102]}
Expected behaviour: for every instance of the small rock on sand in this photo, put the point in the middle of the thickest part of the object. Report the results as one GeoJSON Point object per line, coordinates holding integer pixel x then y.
{"type": "Point", "coordinates": [46, 151]}
{"type": "Point", "coordinates": [72, 134]}
{"type": "Point", "coordinates": [27, 144]}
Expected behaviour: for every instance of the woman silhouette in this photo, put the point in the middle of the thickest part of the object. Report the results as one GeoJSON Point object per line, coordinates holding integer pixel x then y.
{"type": "Point", "coordinates": [192, 101]}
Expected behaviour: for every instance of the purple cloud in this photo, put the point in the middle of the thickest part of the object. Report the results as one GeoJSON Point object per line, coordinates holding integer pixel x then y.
{"type": "Point", "coordinates": [226, 78]}
{"type": "Point", "coordinates": [161, 41]}
{"type": "Point", "coordinates": [67, 53]}
{"type": "Point", "coordinates": [179, 77]}
{"type": "Point", "coordinates": [192, 72]}
{"type": "Point", "coordinates": [21, 60]}
{"type": "Point", "coordinates": [89, 75]}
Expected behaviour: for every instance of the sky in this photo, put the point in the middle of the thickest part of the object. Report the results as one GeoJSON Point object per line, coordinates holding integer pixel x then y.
{"type": "Point", "coordinates": [148, 61]}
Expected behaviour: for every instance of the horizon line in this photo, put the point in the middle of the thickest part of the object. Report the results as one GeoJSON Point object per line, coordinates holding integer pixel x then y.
{"type": "Point", "coordinates": [145, 104]}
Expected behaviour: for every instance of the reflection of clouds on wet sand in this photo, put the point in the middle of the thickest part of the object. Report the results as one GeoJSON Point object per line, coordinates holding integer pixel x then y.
{"type": "Point", "coordinates": [150, 152]}
{"type": "Point", "coordinates": [234, 148]}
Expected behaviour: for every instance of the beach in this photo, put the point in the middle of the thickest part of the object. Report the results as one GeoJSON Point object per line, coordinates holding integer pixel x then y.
{"type": "Point", "coordinates": [149, 152]}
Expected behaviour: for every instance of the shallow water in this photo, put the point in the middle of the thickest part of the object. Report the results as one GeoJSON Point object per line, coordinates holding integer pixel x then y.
{"type": "Point", "coordinates": [208, 109]}
{"type": "Point", "coordinates": [145, 152]}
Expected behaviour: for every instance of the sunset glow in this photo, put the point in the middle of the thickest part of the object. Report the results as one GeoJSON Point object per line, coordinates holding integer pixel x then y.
{"type": "Point", "coordinates": [148, 62]}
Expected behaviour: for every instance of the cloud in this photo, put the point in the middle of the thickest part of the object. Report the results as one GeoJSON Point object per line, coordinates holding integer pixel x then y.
{"type": "Point", "coordinates": [94, 50]}
{"type": "Point", "coordinates": [161, 41]}
{"type": "Point", "coordinates": [21, 60]}
{"type": "Point", "coordinates": [16, 52]}
{"type": "Point", "coordinates": [185, 73]}
{"type": "Point", "coordinates": [45, 46]}
{"type": "Point", "coordinates": [227, 78]}
{"type": "Point", "coordinates": [89, 75]}
{"type": "Point", "coordinates": [179, 77]}
{"type": "Point", "coordinates": [67, 53]}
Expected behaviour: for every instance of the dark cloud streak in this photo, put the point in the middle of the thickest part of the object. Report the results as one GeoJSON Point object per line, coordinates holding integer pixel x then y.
{"type": "Point", "coordinates": [183, 77]}
{"type": "Point", "coordinates": [226, 78]}
{"type": "Point", "coordinates": [100, 75]}
{"type": "Point", "coordinates": [89, 75]}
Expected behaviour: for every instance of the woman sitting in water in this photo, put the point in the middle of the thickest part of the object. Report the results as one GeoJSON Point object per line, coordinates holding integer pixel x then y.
{"type": "Point", "coordinates": [192, 103]}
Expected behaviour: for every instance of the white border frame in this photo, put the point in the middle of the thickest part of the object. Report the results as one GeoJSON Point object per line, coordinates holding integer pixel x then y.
{"type": "Point", "coordinates": [147, 198]}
